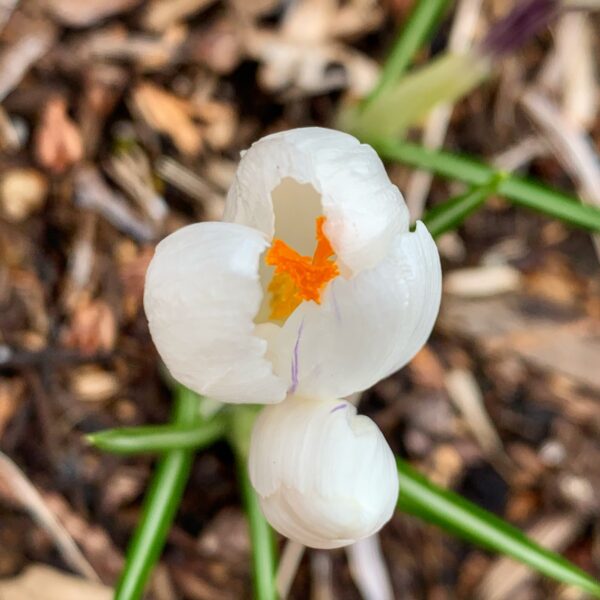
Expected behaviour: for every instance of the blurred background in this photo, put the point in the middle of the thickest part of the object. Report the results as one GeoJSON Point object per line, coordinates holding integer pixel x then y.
{"type": "Point", "coordinates": [121, 121]}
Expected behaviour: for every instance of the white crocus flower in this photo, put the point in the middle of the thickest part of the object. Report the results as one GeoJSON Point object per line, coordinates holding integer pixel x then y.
{"type": "Point", "coordinates": [253, 308]}
{"type": "Point", "coordinates": [325, 475]}
{"type": "Point", "coordinates": [313, 288]}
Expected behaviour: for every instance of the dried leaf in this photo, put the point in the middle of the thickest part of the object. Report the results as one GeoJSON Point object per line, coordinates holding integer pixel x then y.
{"type": "Point", "coordinates": [218, 46]}
{"type": "Point", "coordinates": [211, 199]}
{"type": "Point", "coordinates": [169, 115]}
{"type": "Point", "coordinates": [132, 171]}
{"type": "Point", "coordinates": [133, 264]}
{"type": "Point", "coordinates": [93, 328]}
{"type": "Point", "coordinates": [16, 487]}
{"type": "Point", "coordinates": [309, 68]}
{"type": "Point", "coordinates": [122, 487]}
{"type": "Point", "coordinates": [255, 9]}
{"type": "Point", "coordinates": [478, 282]}
{"type": "Point", "coordinates": [369, 569]}
{"type": "Point", "coordinates": [287, 569]}
{"type": "Point", "coordinates": [226, 536]}
{"type": "Point", "coordinates": [40, 582]}
{"type": "Point", "coordinates": [115, 42]}
{"type": "Point", "coordinates": [159, 15]}
{"type": "Point", "coordinates": [92, 539]}
{"type": "Point", "coordinates": [467, 397]}
{"type": "Point", "coordinates": [103, 87]}
{"type": "Point", "coordinates": [427, 370]}
{"type": "Point", "coordinates": [305, 54]}
{"type": "Point", "coordinates": [58, 143]}
{"type": "Point", "coordinates": [32, 40]}
{"type": "Point", "coordinates": [11, 392]}
{"type": "Point", "coordinates": [92, 192]}
{"type": "Point", "coordinates": [578, 61]}
{"type": "Point", "coordinates": [75, 13]}
{"type": "Point", "coordinates": [220, 123]}
{"type": "Point", "coordinates": [81, 261]}
{"type": "Point", "coordinates": [91, 384]}
{"type": "Point", "coordinates": [22, 192]}
{"type": "Point", "coordinates": [503, 326]}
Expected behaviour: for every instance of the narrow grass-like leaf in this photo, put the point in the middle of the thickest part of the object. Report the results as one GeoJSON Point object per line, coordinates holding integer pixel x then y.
{"type": "Point", "coordinates": [450, 214]}
{"type": "Point", "coordinates": [423, 18]}
{"type": "Point", "coordinates": [158, 438]}
{"type": "Point", "coordinates": [523, 192]}
{"type": "Point", "coordinates": [263, 543]}
{"type": "Point", "coordinates": [160, 505]}
{"type": "Point", "coordinates": [445, 79]}
{"type": "Point", "coordinates": [261, 535]}
{"type": "Point", "coordinates": [464, 519]}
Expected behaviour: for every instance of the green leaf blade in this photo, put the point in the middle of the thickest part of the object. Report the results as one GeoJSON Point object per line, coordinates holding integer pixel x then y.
{"type": "Point", "coordinates": [160, 438]}
{"type": "Point", "coordinates": [264, 563]}
{"type": "Point", "coordinates": [464, 519]}
{"type": "Point", "coordinates": [160, 505]}
{"type": "Point", "coordinates": [423, 18]}
{"type": "Point", "coordinates": [263, 542]}
{"type": "Point", "coordinates": [523, 192]}
{"type": "Point", "coordinates": [450, 214]}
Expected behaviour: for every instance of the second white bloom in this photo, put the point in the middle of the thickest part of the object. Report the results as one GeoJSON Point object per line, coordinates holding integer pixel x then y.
{"type": "Point", "coordinates": [325, 476]}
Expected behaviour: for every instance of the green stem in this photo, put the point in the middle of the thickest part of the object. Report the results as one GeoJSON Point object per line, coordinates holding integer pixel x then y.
{"type": "Point", "coordinates": [521, 191]}
{"type": "Point", "coordinates": [450, 214]}
{"type": "Point", "coordinates": [423, 18]}
{"type": "Point", "coordinates": [160, 438]}
{"type": "Point", "coordinates": [160, 505]}
{"type": "Point", "coordinates": [263, 544]}
{"type": "Point", "coordinates": [418, 497]}
{"type": "Point", "coordinates": [464, 519]}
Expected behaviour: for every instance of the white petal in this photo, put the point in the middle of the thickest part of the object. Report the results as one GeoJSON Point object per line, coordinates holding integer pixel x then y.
{"type": "Point", "coordinates": [364, 209]}
{"type": "Point", "coordinates": [366, 328]}
{"type": "Point", "coordinates": [202, 293]}
{"type": "Point", "coordinates": [325, 476]}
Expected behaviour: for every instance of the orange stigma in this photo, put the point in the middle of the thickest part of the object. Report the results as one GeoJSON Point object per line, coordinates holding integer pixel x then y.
{"type": "Point", "coordinates": [298, 277]}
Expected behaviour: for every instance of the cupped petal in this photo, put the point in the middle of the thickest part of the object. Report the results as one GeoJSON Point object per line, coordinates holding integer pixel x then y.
{"type": "Point", "coordinates": [325, 476]}
{"type": "Point", "coordinates": [366, 328]}
{"type": "Point", "coordinates": [364, 210]}
{"type": "Point", "coordinates": [202, 292]}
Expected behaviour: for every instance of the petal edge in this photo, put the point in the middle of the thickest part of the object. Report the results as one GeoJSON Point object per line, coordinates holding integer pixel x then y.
{"type": "Point", "coordinates": [202, 292]}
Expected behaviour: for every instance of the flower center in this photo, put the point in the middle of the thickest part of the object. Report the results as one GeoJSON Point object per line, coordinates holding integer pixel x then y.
{"type": "Point", "coordinates": [298, 277]}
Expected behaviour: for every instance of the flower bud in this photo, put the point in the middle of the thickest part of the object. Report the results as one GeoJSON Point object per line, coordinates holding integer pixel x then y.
{"type": "Point", "coordinates": [325, 476]}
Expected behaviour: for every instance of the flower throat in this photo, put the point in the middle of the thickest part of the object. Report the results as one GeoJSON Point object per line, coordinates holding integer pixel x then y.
{"type": "Point", "coordinates": [298, 278]}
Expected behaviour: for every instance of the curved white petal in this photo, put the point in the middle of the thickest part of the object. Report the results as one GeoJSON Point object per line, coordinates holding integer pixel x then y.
{"type": "Point", "coordinates": [366, 328]}
{"type": "Point", "coordinates": [364, 209]}
{"type": "Point", "coordinates": [202, 292]}
{"type": "Point", "coordinates": [324, 475]}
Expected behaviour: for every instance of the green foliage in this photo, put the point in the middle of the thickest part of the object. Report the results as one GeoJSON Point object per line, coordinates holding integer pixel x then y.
{"type": "Point", "coordinates": [418, 497]}
{"type": "Point", "coordinates": [421, 22]}
{"type": "Point", "coordinates": [160, 505]}
{"type": "Point", "coordinates": [464, 519]}
{"type": "Point", "coordinates": [521, 191]}
{"type": "Point", "coordinates": [261, 535]}
{"type": "Point", "coordinates": [158, 438]}
{"type": "Point", "coordinates": [450, 214]}
{"type": "Point", "coordinates": [443, 80]}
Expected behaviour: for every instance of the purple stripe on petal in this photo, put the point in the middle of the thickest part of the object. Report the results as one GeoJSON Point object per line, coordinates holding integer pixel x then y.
{"type": "Point", "coordinates": [336, 306]}
{"type": "Point", "coordinates": [295, 359]}
{"type": "Point", "coordinates": [338, 407]}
